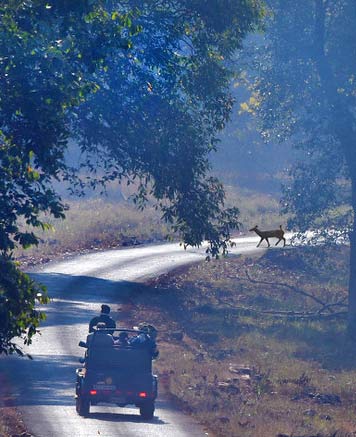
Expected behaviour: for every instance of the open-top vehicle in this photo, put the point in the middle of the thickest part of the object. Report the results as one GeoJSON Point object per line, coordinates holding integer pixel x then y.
{"type": "Point", "coordinates": [117, 374]}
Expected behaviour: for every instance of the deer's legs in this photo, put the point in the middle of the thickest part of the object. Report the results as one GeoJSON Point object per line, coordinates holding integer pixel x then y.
{"type": "Point", "coordinates": [263, 238]}
{"type": "Point", "coordinates": [284, 241]}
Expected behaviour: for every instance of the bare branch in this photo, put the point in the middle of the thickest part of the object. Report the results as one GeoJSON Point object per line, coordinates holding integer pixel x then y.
{"type": "Point", "coordinates": [290, 287]}
{"type": "Point", "coordinates": [341, 303]}
{"type": "Point", "coordinates": [290, 314]}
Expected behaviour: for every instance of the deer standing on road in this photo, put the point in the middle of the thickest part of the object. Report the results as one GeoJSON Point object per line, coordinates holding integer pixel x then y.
{"type": "Point", "coordinates": [265, 235]}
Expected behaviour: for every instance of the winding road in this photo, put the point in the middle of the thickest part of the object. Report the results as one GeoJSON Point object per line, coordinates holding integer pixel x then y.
{"type": "Point", "coordinates": [44, 386]}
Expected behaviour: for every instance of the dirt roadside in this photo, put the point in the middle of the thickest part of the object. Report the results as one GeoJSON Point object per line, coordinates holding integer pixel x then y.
{"type": "Point", "coordinates": [247, 374]}
{"type": "Point", "coordinates": [11, 424]}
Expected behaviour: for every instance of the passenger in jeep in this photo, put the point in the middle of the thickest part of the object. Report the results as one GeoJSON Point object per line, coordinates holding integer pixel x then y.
{"type": "Point", "coordinates": [100, 338]}
{"type": "Point", "coordinates": [122, 340]}
{"type": "Point", "coordinates": [146, 339]}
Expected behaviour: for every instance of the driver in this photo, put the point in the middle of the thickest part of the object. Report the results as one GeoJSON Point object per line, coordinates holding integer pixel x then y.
{"type": "Point", "coordinates": [103, 318]}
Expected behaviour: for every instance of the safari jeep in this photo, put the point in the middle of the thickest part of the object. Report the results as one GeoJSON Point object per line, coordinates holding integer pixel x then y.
{"type": "Point", "coordinates": [116, 374]}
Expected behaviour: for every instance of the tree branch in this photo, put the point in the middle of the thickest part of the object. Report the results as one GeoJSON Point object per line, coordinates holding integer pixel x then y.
{"type": "Point", "coordinates": [289, 314]}
{"type": "Point", "coordinates": [290, 287]}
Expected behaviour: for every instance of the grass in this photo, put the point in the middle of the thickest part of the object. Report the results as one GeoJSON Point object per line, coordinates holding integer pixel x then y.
{"type": "Point", "coordinates": [93, 224]}
{"type": "Point", "coordinates": [244, 374]}
{"type": "Point", "coordinates": [255, 208]}
{"type": "Point", "coordinates": [98, 223]}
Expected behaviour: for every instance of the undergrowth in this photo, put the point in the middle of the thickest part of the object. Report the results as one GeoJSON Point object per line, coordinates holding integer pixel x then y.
{"type": "Point", "coordinates": [246, 374]}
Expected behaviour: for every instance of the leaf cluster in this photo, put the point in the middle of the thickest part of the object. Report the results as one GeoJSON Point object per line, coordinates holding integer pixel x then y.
{"type": "Point", "coordinates": [18, 315]}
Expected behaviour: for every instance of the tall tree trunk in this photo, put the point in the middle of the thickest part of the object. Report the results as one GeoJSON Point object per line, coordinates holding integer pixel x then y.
{"type": "Point", "coordinates": [352, 285]}
{"type": "Point", "coordinates": [345, 131]}
{"type": "Point", "coordinates": [352, 277]}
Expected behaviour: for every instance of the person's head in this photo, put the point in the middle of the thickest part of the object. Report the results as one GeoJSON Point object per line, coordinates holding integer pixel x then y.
{"type": "Point", "coordinates": [148, 329]}
{"type": "Point", "coordinates": [101, 326]}
{"type": "Point", "coordinates": [123, 337]}
{"type": "Point", "coordinates": [105, 309]}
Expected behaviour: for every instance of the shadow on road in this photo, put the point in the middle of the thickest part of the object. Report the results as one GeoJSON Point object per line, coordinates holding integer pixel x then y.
{"type": "Point", "coordinates": [49, 379]}
{"type": "Point", "coordinates": [72, 294]}
{"type": "Point", "coordinates": [121, 417]}
{"type": "Point", "coordinates": [46, 380]}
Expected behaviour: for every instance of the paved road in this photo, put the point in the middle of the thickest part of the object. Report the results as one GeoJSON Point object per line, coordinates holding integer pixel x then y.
{"type": "Point", "coordinates": [44, 387]}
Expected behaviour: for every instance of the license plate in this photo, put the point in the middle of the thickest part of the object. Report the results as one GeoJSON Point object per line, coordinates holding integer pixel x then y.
{"type": "Point", "coordinates": [105, 387]}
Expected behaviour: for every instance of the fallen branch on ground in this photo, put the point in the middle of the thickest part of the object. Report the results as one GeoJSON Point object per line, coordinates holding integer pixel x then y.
{"type": "Point", "coordinates": [288, 314]}
{"type": "Point", "coordinates": [326, 310]}
{"type": "Point", "coordinates": [291, 287]}
{"type": "Point", "coordinates": [325, 306]}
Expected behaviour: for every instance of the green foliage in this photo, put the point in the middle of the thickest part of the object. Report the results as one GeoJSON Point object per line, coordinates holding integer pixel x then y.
{"type": "Point", "coordinates": [200, 216]}
{"type": "Point", "coordinates": [46, 52]}
{"type": "Point", "coordinates": [142, 88]}
{"type": "Point", "coordinates": [44, 64]}
{"type": "Point", "coordinates": [178, 99]}
{"type": "Point", "coordinates": [18, 315]}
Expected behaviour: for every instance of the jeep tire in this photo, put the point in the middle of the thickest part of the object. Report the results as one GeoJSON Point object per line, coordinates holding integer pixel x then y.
{"type": "Point", "coordinates": [147, 410]}
{"type": "Point", "coordinates": [82, 406]}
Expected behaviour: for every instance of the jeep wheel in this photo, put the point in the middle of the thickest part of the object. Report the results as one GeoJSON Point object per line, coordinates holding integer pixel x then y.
{"type": "Point", "coordinates": [82, 406]}
{"type": "Point", "coordinates": [147, 410]}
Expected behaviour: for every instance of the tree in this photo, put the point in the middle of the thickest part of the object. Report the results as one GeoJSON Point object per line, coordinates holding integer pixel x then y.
{"type": "Point", "coordinates": [142, 87]}
{"type": "Point", "coordinates": [304, 80]}
{"type": "Point", "coordinates": [18, 315]}
{"type": "Point", "coordinates": [177, 100]}
{"type": "Point", "coordinates": [42, 78]}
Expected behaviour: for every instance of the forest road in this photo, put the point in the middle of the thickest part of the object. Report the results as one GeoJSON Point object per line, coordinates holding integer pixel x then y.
{"type": "Point", "coordinates": [44, 386]}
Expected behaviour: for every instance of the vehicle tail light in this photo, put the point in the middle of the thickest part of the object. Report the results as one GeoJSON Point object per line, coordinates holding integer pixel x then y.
{"type": "Point", "coordinates": [93, 392]}
{"type": "Point", "coordinates": [142, 394]}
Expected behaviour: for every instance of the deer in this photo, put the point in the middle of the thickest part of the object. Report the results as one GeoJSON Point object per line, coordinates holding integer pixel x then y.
{"type": "Point", "coordinates": [265, 235]}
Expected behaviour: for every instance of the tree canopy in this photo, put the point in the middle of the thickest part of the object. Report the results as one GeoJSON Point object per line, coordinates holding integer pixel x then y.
{"type": "Point", "coordinates": [304, 83]}
{"type": "Point", "coordinates": [142, 87]}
